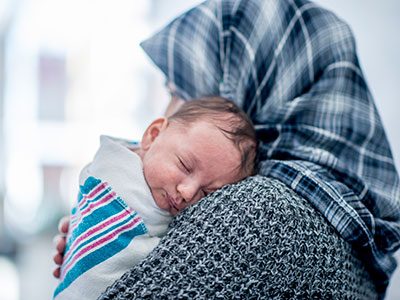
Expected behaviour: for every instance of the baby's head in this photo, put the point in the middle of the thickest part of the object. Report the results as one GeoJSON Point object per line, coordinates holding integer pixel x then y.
{"type": "Point", "coordinates": [203, 146]}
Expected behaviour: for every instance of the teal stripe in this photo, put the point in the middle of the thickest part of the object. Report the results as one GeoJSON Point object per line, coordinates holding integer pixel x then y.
{"type": "Point", "coordinates": [99, 256]}
{"type": "Point", "coordinates": [93, 219]}
{"type": "Point", "coordinates": [106, 191]}
{"type": "Point", "coordinates": [97, 216]}
{"type": "Point", "coordinates": [89, 184]}
{"type": "Point", "coordinates": [127, 219]}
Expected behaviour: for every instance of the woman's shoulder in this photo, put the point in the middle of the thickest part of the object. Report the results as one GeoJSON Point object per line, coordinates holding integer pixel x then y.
{"type": "Point", "coordinates": [258, 238]}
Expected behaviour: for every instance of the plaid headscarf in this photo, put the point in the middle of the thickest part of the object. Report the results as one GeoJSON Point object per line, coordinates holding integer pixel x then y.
{"type": "Point", "coordinates": [292, 66]}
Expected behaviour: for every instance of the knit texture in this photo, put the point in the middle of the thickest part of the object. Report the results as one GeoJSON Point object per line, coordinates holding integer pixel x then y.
{"type": "Point", "coordinates": [253, 240]}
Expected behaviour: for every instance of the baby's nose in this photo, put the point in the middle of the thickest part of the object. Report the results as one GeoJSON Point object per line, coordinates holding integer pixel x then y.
{"type": "Point", "coordinates": [188, 193]}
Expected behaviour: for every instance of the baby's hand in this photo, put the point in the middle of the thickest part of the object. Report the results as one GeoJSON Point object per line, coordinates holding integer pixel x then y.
{"type": "Point", "coordinates": [60, 242]}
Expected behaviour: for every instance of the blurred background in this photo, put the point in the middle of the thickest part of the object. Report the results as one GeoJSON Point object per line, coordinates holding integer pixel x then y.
{"type": "Point", "coordinates": [71, 70]}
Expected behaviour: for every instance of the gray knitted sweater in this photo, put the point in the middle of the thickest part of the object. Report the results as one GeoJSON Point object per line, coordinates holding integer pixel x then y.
{"type": "Point", "coordinates": [253, 240]}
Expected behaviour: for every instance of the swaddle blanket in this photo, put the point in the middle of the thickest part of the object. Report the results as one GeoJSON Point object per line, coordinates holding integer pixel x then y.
{"type": "Point", "coordinates": [292, 66]}
{"type": "Point", "coordinates": [114, 225]}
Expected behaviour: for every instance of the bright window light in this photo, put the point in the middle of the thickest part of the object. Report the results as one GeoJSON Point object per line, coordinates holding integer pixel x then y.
{"type": "Point", "coordinates": [9, 282]}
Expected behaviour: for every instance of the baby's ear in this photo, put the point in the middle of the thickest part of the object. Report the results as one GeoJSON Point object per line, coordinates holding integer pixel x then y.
{"type": "Point", "coordinates": [152, 132]}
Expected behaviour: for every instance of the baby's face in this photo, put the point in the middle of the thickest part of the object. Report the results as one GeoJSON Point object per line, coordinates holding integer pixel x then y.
{"type": "Point", "coordinates": [182, 164]}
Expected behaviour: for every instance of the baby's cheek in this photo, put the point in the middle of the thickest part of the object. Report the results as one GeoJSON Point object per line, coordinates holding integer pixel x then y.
{"type": "Point", "coordinates": [156, 175]}
{"type": "Point", "coordinates": [148, 175]}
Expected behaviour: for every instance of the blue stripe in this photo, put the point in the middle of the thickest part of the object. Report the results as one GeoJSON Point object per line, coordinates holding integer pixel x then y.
{"type": "Point", "coordinates": [97, 198]}
{"type": "Point", "coordinates": [92, 221]}
{"type": "Point", "coordinates": [89, 184]}
{"type": "Point", "coordinates": [99, 256]}
{"type": "Point", "coordinates": [99, 214]}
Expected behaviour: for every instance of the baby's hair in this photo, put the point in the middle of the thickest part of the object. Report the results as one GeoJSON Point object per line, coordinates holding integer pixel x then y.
{"type": "Point", "coordinates": [227, 117]}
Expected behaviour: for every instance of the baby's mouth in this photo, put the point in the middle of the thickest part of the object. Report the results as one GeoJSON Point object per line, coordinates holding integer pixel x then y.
{"type": "Point", "coordinates": [171, 202]}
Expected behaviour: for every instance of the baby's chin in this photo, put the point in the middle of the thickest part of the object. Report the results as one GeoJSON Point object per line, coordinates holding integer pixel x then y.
{"type": "Point", "coordinates": [173, 212]}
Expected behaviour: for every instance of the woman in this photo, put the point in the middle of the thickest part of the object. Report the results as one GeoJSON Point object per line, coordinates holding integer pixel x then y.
{"type": "Point", "coordinates": [321, 220]}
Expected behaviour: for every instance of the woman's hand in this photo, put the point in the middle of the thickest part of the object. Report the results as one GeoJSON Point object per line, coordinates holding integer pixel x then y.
{"type": "Point", "coordinates": [60, 243]}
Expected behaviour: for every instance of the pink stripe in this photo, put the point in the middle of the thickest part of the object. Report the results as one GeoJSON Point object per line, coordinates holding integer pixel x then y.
{"type": "Point", "coordinates": [93, 205]}
{"type": "Point", "coordinates": [97, 190]}
{"type": "Point", "coordinates": [90, 207]}
{"type": "Point", "coordinates": [72, 219]}
{"type": "Point", "coordinates": [93, 193]}
{"type": "Point", "coordinates": [94, 230]}
{"type": "Point", "coordinates": [98, 243]}
{"type": "Point", "coordinates": [73, 224]}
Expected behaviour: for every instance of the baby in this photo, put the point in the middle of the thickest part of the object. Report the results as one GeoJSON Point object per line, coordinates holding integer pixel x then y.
{"type": "Point", "coordinates": [129, 192]}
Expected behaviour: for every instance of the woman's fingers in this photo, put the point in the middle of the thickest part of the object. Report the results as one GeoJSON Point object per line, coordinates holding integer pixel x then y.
{"type": "Point", "coordinates": [58, 259]}
{"type": "Point", "coordinates": [56, 273]}
{"type": "Point", "coordinates": [60, 242]}
{"type": "Point", "coordinates": [63, 225]}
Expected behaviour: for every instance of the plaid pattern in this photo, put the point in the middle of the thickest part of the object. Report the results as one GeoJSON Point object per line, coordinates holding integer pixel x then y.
{"type": "Point", "coordinates": [292, 66]}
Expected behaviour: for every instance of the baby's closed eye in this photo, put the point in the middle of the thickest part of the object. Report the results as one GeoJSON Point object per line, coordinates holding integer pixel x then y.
{"type": "Point", "coordinates": [184, 166]}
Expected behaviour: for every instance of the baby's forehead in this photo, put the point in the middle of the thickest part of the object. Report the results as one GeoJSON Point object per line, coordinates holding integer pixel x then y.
{"type": "Point", "coordinates": [222, 123]}
{"type": "Point", "coordinates": [219, 156]}
{"type": "Point", "coordinates": [227, 131]}
{"type": "Point", "coordinates": [203, 131]}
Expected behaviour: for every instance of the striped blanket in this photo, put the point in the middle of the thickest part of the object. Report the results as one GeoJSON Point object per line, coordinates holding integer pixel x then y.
{"type": "Point", "coordinates": [101, 226]}
{"type": "Point", "coordinates": [293, 67]}
{"type": "Point", "coordinates": [113, 226]}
